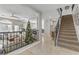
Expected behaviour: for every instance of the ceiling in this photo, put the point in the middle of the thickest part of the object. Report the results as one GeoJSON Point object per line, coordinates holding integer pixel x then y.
{"type": "Point", "coordinates": [48, 7]}
{"type": "Point", "coordinates": [25, 10]}
{"type": "Point", "coordinates": [16, 9]}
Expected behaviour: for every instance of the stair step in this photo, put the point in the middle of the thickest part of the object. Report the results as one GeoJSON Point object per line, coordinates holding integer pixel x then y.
{"type": "Point", "coordinates": [67, 37]}
{"type": "Point", "coordinates": [65, 21]}
{"type": "Point", "coordinates": [67, 28]}
{"type": "Point", "coordinates": [69, 46]}
{"type": "Point", "coordinates": [69, 34]}
{"type": "Point", "coordinates": [72, 33]}
{"type": "Point", "coordinates": [67, 41]}
{"type": "Point", "coordinates": [67, 25]}
{"type": "Point", "coordinates": [68, 31]}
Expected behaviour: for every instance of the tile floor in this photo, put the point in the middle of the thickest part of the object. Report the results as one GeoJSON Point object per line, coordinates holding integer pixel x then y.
{"type": "Point", "coordinates": [47, 48]}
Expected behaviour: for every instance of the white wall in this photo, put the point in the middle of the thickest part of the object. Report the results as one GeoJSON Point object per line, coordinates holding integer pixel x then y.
{"type": "Point", "coordinates": [3, 27]}
{"type": "Point", "coordinates": [53, 24]}
{"type": "Point", "coordinates": [75, 19]}
{"type": "Point", "coordinates": [20, 11]}
{"type": "Point", "coordinates": [48, 18]}
{"type": "Point", "coordinates": [66, 12]}
{"type": "Point", "coordinates": [33, 23]}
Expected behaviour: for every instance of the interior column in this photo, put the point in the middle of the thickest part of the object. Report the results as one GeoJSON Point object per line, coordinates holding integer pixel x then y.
{"type": "Point", "coordinates": [39, 26]}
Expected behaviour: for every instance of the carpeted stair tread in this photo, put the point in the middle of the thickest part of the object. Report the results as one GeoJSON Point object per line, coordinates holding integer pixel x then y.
{"type": "Point", "coordinates": [67, 35]}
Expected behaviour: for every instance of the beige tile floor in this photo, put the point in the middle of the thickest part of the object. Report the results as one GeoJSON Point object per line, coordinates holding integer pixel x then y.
{"type": "Point", "coordinates": [48, 48]}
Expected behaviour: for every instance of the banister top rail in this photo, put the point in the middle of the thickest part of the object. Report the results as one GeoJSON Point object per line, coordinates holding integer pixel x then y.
{"type": "Point", "coordinates": [12, 32]}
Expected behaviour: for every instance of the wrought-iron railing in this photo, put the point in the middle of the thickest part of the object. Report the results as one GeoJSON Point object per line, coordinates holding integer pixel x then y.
{"type": "Point", "coordinates": [57, 31]}
{"type": "Point", "coordinates": [10, 41]}
{"type": "Point", "coordinates": [58, 26]}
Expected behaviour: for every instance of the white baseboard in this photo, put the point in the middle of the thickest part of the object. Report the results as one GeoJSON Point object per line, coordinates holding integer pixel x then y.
{"type": "Point", "coordinates": [20, 50]}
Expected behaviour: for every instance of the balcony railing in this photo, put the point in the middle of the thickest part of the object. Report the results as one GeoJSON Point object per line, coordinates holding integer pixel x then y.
{"type": "Point", "coordinates": [10, 41]}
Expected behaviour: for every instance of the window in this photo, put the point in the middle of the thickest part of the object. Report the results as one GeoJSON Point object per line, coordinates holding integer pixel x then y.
{"type": "Point", "coordinates": [16, 28]}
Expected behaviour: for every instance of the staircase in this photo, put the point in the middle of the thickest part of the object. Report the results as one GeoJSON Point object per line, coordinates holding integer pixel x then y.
{"type": "Point", "coordinates": [67, 37]}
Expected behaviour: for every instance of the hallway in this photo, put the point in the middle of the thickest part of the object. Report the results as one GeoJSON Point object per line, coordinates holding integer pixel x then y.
{"type": "Point", "coordinates": [43, 20]}
{"type": "Point", "coordinates": [47, 48]}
